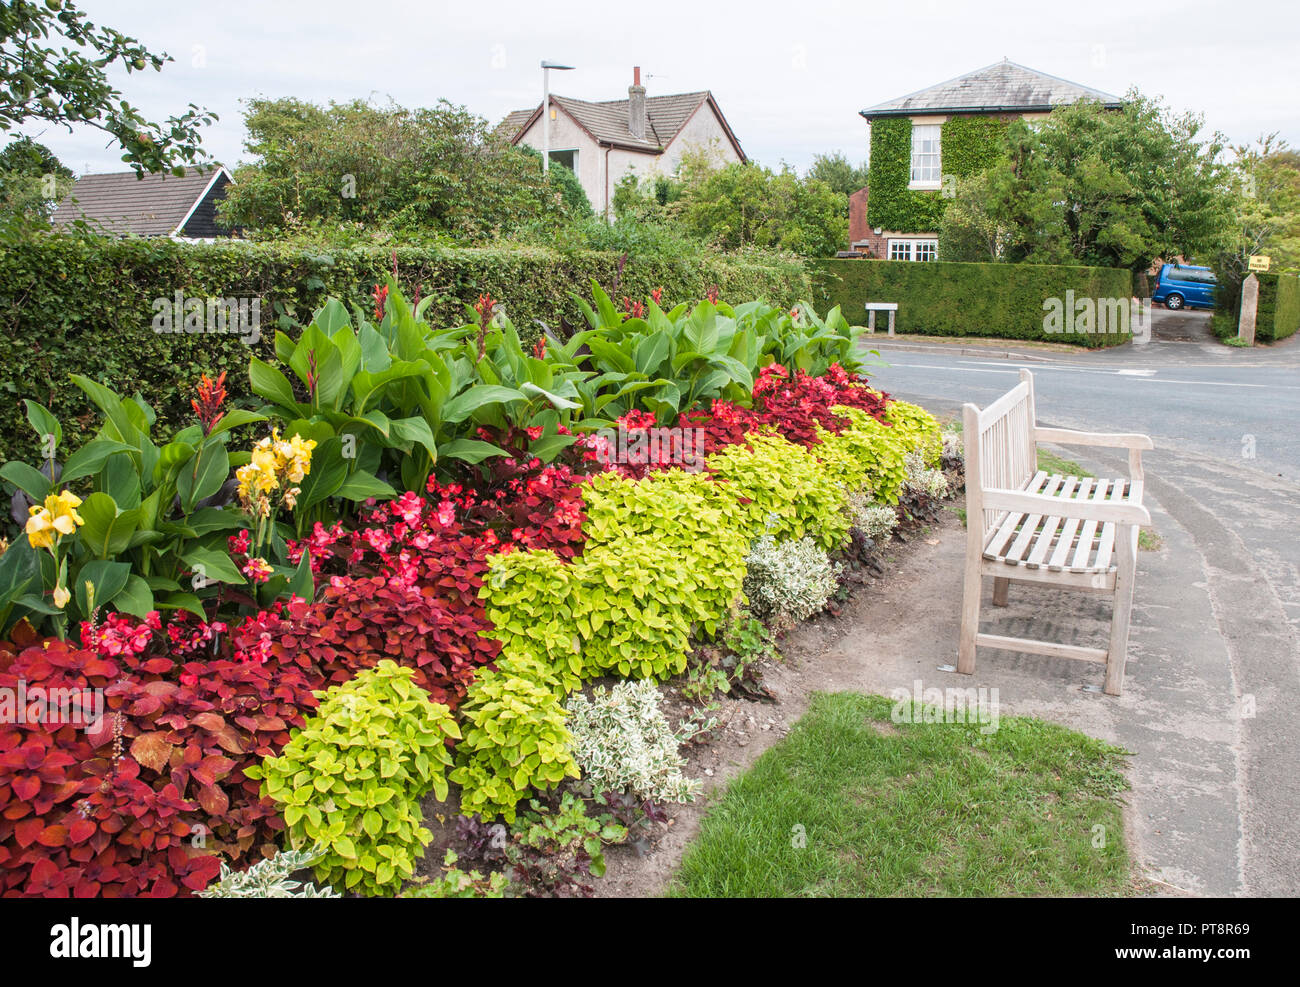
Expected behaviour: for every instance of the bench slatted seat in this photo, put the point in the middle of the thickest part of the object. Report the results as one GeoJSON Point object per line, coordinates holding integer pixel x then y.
{"type": "Point", "coordinates": [1026, 525]}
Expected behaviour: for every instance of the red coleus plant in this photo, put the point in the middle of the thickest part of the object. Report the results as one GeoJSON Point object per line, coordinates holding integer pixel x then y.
{"type": "Point", "coordinates": [518, 501]}
{"type": "Point", "coordinates": [135, 789]}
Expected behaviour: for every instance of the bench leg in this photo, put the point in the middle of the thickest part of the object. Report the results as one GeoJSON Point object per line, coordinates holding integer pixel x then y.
{"type": "Point", "coordinates": [1126, 549]}
{"type": "Point", "coordinates": [970, 620]}
{"type": "Point", "coordinates": [1000, 591]}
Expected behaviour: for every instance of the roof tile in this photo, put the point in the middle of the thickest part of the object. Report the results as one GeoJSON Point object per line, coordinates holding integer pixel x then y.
{"type": "Point", "coordinates": [1001, 87]}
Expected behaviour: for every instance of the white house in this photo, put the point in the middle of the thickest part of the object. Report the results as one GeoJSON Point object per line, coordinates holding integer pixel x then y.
{"type": "Point", "coordinates": [602, 142]}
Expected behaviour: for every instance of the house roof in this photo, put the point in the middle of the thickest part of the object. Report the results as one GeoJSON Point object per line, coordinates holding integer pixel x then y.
{"type": "Point", "coordinates": [606, 121]}
{"type": "Point", "coordinates": [1003, 87]}
{"type": "Point", "coordinates": [155, 205]}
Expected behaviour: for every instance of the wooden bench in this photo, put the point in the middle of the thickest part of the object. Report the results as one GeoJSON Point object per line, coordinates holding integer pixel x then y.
{"type": "Point", "coordinates": [1028, 526]}
{"type": "Point", "coordinates": [874, 307]}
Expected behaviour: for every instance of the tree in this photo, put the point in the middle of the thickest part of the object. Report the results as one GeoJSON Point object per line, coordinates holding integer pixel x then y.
{"type": "Point", "coordinates": [837, 172]}
{"type": "Point", "coordinates": [1265, 213]}
{"type": "Point", "coordinates": [747, 205]}
{"type": "Point", "coordinates": [1109, 188]}
{"type": "Point", "coordinates": [32, 181]}
{"type": "Point", "coordinates": [68, 84]}
{"type": "Point", "coordinates": [969, 232]}
{"type": "Point", "coordinates": [434, 171]}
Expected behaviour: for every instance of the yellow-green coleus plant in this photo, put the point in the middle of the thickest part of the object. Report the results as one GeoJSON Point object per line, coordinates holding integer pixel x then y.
{"type": "Point", "coordinates": [788, 492]}
{"type": "Point", "coordinates": [663, 555]}
{"type": "Point", "coordinates": [515, 739]}
{"type": "Point", "coordinates": [867, 455]}
{"type": "Point", "coordinates": [920, 427]}
{"type": "Point", "coordinates": [351, 779]}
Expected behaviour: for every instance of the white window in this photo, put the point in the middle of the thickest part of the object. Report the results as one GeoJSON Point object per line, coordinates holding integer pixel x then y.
{"type": "Point", "coordinates": [567, 158]}
{"type": "Point", "coordinates": [914, 249]}
{"type": "Point", "coordinates": [926, 170]}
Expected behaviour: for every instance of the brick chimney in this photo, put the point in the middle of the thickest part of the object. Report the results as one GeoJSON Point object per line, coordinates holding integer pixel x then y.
{"type": "Point", "coordinates": [636, 105]}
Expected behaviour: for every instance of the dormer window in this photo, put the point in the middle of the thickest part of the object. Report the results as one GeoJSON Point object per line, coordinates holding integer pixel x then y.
{"type": "Point", "coordinates": [926, 169]}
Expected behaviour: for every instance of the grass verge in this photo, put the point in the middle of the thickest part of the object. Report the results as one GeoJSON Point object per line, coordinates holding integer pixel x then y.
{"type": "Point", "coordinates": [852, 804]}
{"type": "Point", "coordinates": [1050, 463]}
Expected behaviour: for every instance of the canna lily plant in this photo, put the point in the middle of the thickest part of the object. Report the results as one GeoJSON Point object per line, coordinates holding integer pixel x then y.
{"type": "Point", "coordinates": [144, 529]}
{"type": "Point", "coordinates": [389, 401]}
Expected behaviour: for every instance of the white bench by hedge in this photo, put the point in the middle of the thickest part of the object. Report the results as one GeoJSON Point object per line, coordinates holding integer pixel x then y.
{"type": "Point", "coordinates": [874, 307]}
{"type": "Point", "coordinates": [1025, 525]}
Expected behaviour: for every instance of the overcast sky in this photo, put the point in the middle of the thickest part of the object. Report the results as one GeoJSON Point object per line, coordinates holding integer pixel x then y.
{"type": "Point", "coordinates": [790, 77]}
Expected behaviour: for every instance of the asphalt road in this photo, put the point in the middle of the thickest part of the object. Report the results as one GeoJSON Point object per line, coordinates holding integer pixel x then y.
{"type": "Point", "coordinates": [1233, 405]}
{"type": "Point", "coordinates": [1215, 659]}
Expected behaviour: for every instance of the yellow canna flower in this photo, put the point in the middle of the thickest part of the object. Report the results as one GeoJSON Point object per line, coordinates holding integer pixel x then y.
{"type": "Point", "coordinates": [61, 597]}
{"type": "Point", "coordinates": [40, 529]}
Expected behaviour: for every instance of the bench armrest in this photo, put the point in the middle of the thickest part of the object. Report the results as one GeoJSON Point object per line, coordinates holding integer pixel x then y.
{"type": "Point", "coordinates": [1117, 511]}
{"type": "Point", "coordinates": [1106, 440]}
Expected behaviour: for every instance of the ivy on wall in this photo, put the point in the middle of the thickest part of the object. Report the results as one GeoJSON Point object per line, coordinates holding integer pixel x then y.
{"type": "Point", "coordinates": [969, 145]}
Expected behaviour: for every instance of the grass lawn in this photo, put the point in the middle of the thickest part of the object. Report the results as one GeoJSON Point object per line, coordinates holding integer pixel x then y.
{"type": "Point", "coordinates": [914, 809]}
{"type": "Point", "coordinates": [1050, 463]}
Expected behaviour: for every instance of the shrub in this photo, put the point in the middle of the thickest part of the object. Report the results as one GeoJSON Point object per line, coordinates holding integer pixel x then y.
{"type": "Point", "coordinates": [957, 299]}
{"type": "Point", "coordinates": [664, 555]}
{"type": "Point", "coordinates": [269, 879]}
{"type": "Point", "coordinates": [788, 581]}
{"type": "Point", "coordinates": [515, 741]}
{"type": "Point", "coordinates": [142, 802]}
{"type": "Point", "coordinates": [553, 851]}
{"type": "Point", "coordinates": [798, 405]}
{"type": "Point", "coordinates": [622, 742]}
{"type": "Point", "coordinates": [874, 521]}
{"type": "Point", "coordinates": [411, 595]}
{"type": "Point", "coordinates": [350, 781]}
{"type": "Point", "coordinates": [921, 479]}
{"type": "Point", "coordinates": [1277, 314]}
{"type": "Point", "coordinates": [867, 455]}
{"type": "Point", "coordinates": [919, 429]}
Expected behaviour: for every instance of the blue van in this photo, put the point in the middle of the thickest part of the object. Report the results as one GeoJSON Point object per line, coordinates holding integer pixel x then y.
{"type": "Point", "coordinates": [1181, 284]}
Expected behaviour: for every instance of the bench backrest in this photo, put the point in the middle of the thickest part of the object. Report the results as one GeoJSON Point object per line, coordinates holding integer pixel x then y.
{"type": "Point", "coordinates": [1000, 449]}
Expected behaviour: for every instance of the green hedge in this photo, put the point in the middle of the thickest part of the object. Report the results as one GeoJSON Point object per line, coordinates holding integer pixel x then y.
{"type": "Point", "coordinates": [1278, 314]}
{"type": "Point", "coordinates": [84, 305]}
{"type": "Point", "coordinates": [951, 299]}
{"type": "Point", "coordinates": [968, 144]}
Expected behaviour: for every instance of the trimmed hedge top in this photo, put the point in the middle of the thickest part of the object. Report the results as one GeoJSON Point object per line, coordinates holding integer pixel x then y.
{"type": "Point", "coordinates": [1006, 301]}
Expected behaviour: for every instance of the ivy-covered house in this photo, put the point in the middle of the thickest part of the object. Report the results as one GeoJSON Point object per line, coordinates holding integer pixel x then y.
{"type": "Point", "coordinates": [923, 142]}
